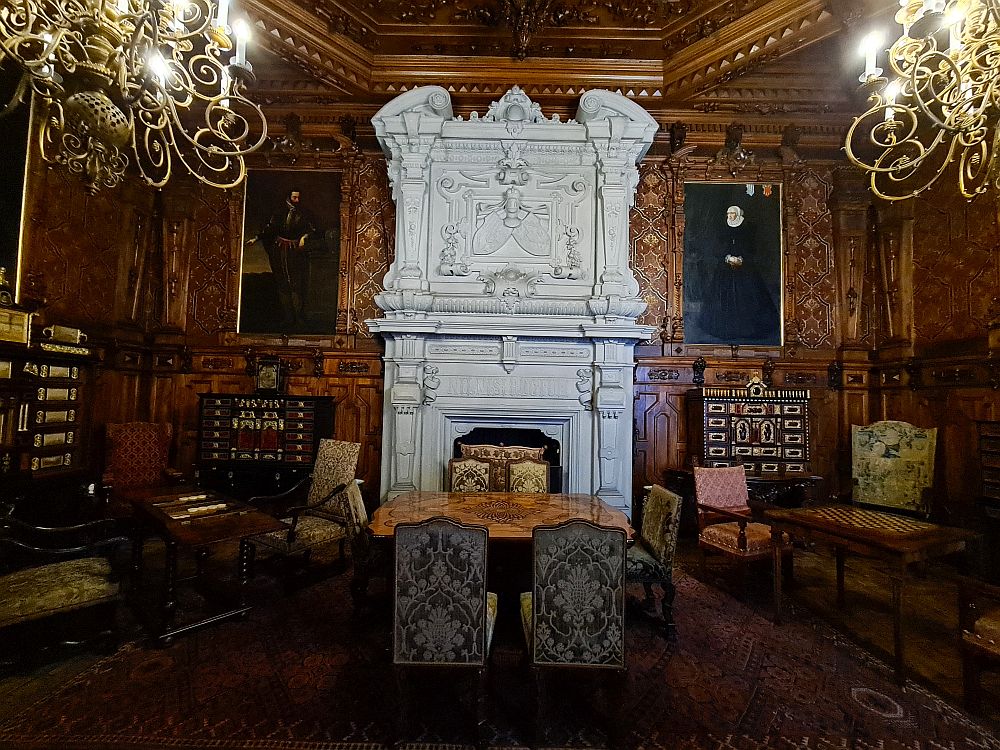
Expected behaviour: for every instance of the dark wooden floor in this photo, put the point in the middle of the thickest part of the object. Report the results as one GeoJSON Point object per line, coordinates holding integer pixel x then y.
{"type": "Point", "coordinates": [930, 606]}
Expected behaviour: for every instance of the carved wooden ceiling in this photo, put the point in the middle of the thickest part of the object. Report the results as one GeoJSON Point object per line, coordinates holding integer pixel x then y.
{"type": "Point", "coordinates": [746, 56]}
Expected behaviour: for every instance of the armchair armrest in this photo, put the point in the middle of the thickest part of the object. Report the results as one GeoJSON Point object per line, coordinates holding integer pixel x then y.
{"type": "Point", "coordinates": [297, 511]}
{"type": "Point", "coordinates": [283, 502]}
{"type": "Point", "coordinates": [743, 516]}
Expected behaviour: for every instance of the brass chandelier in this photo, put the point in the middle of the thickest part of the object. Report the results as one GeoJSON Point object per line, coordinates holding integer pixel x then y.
{"type": "Point", "coordinates": [161, 79]}
{"type": "Point", "coordinates": [941, 106]}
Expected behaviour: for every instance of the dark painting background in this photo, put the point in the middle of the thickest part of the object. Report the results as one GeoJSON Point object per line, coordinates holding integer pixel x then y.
{"type": "Point", "coordinates": [14, 137]}
{"type": "Point", "coordinates": [260, 308]}
{"type": "Point", "coordinates": [751, 315]}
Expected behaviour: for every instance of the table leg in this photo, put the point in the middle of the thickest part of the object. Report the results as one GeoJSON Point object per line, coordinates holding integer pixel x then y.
{"type": "Point", "coordinates": [138, 542]}
{"type": "Point", "coordinates": [776, 556]}
{"type": "Point", "coordinates": [169, 587]}
{"type": "Point", "coordinates": [247, 554]}
{"type": "Point", "coordinates": [840, 577]}
{"type": "Point", "coordinates": [899, 661]}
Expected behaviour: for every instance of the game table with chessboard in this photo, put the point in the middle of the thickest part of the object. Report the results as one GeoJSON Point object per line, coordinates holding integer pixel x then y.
{"type": "Point", "coordinates": [898, 540]}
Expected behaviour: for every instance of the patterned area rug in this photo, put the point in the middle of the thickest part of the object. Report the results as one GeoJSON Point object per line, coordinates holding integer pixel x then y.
{"type": "Point", "coordinates": [303, 673]}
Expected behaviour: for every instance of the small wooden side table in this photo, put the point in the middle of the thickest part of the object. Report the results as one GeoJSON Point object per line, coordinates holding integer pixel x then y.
{"type": "Point", "coordinates": [195, 519]}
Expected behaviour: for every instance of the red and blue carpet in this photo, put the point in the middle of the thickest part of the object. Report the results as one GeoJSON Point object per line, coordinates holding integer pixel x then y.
{"type": "Point", "coordinates": [304, 674]}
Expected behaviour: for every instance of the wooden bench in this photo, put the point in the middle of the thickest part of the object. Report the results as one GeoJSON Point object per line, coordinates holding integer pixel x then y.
{"type": "Point", "coordinates": [57, 586]}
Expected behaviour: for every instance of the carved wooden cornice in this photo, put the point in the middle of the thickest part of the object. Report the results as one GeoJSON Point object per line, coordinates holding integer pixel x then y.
{"type": "Point", "coordinates": [363, 51]}
{"type": "Point", "coordinates": [738, 47]}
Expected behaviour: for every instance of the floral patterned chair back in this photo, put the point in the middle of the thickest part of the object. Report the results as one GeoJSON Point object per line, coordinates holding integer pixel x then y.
{"type": "Point", "coordinates": [650, 561]}
{"type": "Point", "coordinates": [469, 475]}
{"type": "Point", "coordinates": [892, 465]}
{"type": "Point", "coordinates": [440, 608]}
{"type": "Point", "coordinates": [528, 475]}
{"type": "Point", "coordinates": [577, 602]}
{"type": "Point", "coordinates": [336, 464]}
{"type": "Point", "coordinates": [499, 457]}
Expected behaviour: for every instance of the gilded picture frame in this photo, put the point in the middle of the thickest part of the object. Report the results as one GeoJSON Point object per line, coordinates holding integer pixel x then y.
{"type": "Point", "coordinates": [290, 262]}
{"type": "Point", "coordinates": [733, 252]}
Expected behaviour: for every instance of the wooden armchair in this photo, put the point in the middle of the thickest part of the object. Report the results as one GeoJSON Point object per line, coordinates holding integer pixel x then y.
{"type": "Point", "coordinates": [979, 623]}
{"type": "Point", "coordinates": [650, 561]}
{"type": "Point", "coordinates": [725, 523]}
{"type": "Point", "coordinates": [57, 586]}
{"type": "Point", "coordinates": [136, 456]}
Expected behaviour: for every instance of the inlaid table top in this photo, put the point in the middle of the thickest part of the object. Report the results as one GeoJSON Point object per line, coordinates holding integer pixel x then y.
{"type": "Point", "coordinates": [507, 515]}
{"type": "Point", "coordinates": [195, 517]}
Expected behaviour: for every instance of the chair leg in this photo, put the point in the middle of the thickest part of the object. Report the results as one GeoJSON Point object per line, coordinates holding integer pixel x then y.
{"type": "Point", "coordinates": [669, 626]}
{"type": "Point", "coordinates": [481, 702]}
{"type": "Point", "coordinates": [613, 703]}
{"type": "Point", "coordinates": [971, 686]}
{"type": "Point", "coordinates": [539, 712]}
{"type": "Point", "coordinates": [403, 707]}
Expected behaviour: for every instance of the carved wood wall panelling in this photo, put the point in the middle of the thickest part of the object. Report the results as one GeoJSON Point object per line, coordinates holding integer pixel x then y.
{"type": "Point", "coordinates": [956, 260]}
{"type": "Point", "coordinates": [652, 260]}
{"type": "Point", "coordinates": [118, 397]}
{"type": "Point", "coordinates": [81, 246]}
{"type": "Point", "coordinates": [211, 223]}
{"type": "Point", "coordinates": [811, 276]}
{"type": "Point", "coordinates": [954, 412]}
{"type": "Point", "coordinates": [850, 203]}
{"type": "Point", "coordinates": [660, 437]}
{"type": "Point", "coordinates": [374, 241]}
{"type": "Point", "coordinates": [177, 271]}
{"type": "Point", "coordinates": [894, 268]}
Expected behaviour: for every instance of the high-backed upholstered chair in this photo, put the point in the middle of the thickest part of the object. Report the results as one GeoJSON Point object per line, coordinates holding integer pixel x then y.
{"type": "Point", "coordinates": [336, 464]}
{"type": "Point", "coordinates": [528, 475]}
{"type": "Point", "coordinates": [326, 517]}
{"type": "Point", "coordinates": [499, 456]}
{"type": "Point", "coordinates": [443, 616]}
{"type": "Point", "coordinates": [469, 475]}
{"type": "Point", "coordinates": [574, 615]}
{"type": "Point", "coordinates": [136, 456]}
{"type": "Point", "coordinates": [651, 559]}
{"type": "Point", "coordinates": [724, 517]}
{"type": "Point", "coordinates": [979, 622]}
{"type": "Point", "coordinates": [892, 465]}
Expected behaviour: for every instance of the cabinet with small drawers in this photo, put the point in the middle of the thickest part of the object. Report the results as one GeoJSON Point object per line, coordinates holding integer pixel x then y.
{"type": "Point", "coordinates": [766, 430]}
{"type": "Point", "coordinates": [43, 411]}
{"type": "Point", "coordinates": [250, 444]}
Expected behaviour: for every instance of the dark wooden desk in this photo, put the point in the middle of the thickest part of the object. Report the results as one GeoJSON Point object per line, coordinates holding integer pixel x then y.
{"type": "Point", "coordinates": [895, 539]}
{"type": "Point", "coordinates": [507, 515]}
{"type": "Point", "coordinates": [196, 519]}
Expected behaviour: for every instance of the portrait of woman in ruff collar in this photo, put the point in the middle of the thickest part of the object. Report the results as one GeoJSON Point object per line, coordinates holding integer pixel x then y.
{"type": "Point", "coordinates": [732, 264]}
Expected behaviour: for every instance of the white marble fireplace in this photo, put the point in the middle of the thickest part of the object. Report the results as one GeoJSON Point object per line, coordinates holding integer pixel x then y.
{"type": "Point", "coordinates": [511, 303]}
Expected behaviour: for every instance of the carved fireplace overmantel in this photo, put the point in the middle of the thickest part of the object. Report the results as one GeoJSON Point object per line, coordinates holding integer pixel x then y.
{"type": "Point", "coordinates": [511, 299]}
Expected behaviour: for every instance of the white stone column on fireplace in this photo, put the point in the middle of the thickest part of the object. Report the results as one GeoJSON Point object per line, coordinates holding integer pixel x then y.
{"type": "Point", "coordinates": [510, 303]}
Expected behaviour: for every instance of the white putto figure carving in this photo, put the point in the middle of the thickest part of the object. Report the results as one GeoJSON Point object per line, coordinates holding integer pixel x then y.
{"type": "Point", "coordinates": [512, 218]}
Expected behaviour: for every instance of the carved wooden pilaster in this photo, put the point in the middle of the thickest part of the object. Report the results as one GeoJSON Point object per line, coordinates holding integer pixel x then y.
{"type": "Point", "coordinates": [895, 270]}
{"type": "Point", "coordinates": [849, 205]}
